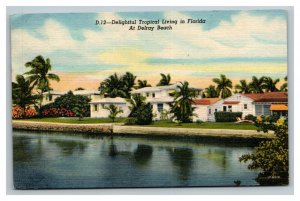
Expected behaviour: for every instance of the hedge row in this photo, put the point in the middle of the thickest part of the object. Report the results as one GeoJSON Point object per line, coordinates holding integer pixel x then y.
{"type": "Point", "coordinates": [227, 116]}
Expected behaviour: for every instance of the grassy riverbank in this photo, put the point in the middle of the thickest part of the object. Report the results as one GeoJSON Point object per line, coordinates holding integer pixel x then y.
{"type": "Point", "coordinates": [206, 125]}
{"type": "Point", "coordinates": [203, 125]}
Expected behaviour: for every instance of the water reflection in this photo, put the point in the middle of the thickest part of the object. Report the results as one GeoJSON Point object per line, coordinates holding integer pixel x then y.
{"type": "Point", "coordinates": [123, 162]}
{"type": "Point", "coordinates": [140, 156]}
{"type": "Point", "coordinates": [21, 151]}
{"type": "Point", "coordinates": [182, 159]}
{"type": "Point", "coordinates": [216, 156]}
{"type": "Point", "coordinates": [143, 154]}
{"type": "Point", "coordinates": [69, 146]}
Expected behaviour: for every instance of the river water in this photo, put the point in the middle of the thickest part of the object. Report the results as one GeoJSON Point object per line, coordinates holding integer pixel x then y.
{"type": "Point", "coordinates": [58, 160]}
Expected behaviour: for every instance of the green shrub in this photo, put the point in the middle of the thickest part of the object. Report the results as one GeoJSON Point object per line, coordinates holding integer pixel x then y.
{"type": "Point", "coordinates": [78, 104]}
{"type": "Point", "coordinates": [130, 121]}
{"type": "Point", "coordinates": [250, 117]}
{"type": "Point", "coordinates": [198, 121]}
{"type": "Point", "coordinates": [143, 114]}
{"type": "Point", "coordinates": [227, 116]}
{"type": "Point", "coordinates": [271, 157]}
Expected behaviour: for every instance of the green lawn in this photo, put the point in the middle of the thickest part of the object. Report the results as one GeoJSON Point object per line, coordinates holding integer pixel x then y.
{"type": "Point", "coordinates": [73, 120]}
{"type": "Point", "coordinates": [204, 125]}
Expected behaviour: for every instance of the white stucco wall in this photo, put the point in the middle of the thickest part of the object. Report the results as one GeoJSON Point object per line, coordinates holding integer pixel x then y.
{"type": "Point", "coordinates": [104, 113]}
{"type": "Point", "coordinates": [156, 113]}
{"type": "Point", "coordinates": [240, 106]}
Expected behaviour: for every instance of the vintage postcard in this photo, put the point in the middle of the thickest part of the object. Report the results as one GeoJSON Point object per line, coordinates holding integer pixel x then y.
{"type": "Point", "coordinates": [150, 99]}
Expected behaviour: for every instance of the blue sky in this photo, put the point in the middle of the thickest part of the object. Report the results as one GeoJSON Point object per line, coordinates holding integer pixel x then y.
{"type": "Point", "coordinates": [251, 42]}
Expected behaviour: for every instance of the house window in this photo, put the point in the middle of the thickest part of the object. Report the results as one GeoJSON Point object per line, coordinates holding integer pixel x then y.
{"type": "Point", "coordinates": [229, 108]}
{"type": "Point", "coordinates": [266, 110]}
{"type": "Point", "coordinates": [147, 94]}
{"type": "Point", "coordinates": [50, 97]}
{"type": "Point", "coordinates": [258, 110]}
{"type": "Point", "coordinates": [151, 106]}
{"type": "Point", "coordinates": [224, 108]}
{"type": "Point", "coordinates": [96, 107]}
{"type": "Point", "coordinates": [209, 111]}
{"type": "Point", "coordinates": [102, 106]}
{"type": "Point", "coordinates": [216, 110]}
{"type": "Point", "coordinates": [153, 95]}
{"type": "Point", "coordinates": [160, 107]}
{"type": "Point", "coordinates": [245, 106]}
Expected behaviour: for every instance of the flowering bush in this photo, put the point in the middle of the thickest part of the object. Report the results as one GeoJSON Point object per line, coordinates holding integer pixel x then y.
{"type": "Point", "coordinates": [21, 113]}
{"type": "Point", "coordinates": [271, 156]}
{"type": "Point", "coordinates": [57, 112]}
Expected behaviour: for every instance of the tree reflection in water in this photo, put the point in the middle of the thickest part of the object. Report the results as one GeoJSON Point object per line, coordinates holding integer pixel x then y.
{"type": "Point", "coordinates": [69, 146]}
{"type": "Point", "coordinates": [182, 159]}
{"type": "Point", "coordinates": [218, 157]}
{"type": "Point", "coordinates": [21, 151]}
{"type": "Point", "coordinates": [143, 154]}
{"type": "Point", "coordinates": [140, 156]}
{"type": "Point", "coordinates": [113, 151]}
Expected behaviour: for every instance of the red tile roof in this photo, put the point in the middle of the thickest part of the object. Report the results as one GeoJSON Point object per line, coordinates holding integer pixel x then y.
{"type": "Point", "coordinates": [269, 97]}
{"type": "Point", "coordinates": [206, 101]}
{"type": "Point", "coordinates": [231, 102]}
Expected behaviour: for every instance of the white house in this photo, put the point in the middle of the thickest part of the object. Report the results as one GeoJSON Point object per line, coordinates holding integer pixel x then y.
{"type": "Point", "coordinates": [49, 97]}
{"type": "Point", "coordinates": [255, 104]}
{"type": "Point", "coordinates": [98, 107]}
{"type": "Point", "coordinates": [205, 108]}
{"type": "Point", "coordinates": [269, 103]}
{"type": "Point", "coordinates": [238, 103]}
{"type": "Point", "coordinates": [160, 97]}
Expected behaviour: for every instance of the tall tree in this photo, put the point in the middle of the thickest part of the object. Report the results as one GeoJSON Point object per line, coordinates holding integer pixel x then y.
{"type": "Point", "coordinates": [211, 92]}
{"type": "Point", "coordinates": [243, 87]}
{"type": "Point", "coordinates": [182, 104]}
{"type": "Point", "coordinates": [136, 101]}
{"type": "Point", "coordinates": [39, 75]}
{"type": "Point", "coordinates": [224, 86]}
{"type": "Point", "coordinates": [118, 86]}
{"type": "Point", "coordinates": [128, 81]}
{"type": "Point", "coordinates": [141, 112]}
{"type": "Point", "coordinates": [284, 86]}
{"type": "Point", "coordinates": [165, 80]}
{"type": "Point", "coordinates": [114, 111]}
{"type": "Point", "coordinates": [142, 84]}
{"type": "Point", "coordinates": [113, 87]}
{"type": "Point", "coordinates": [257, 84]}
{"type": "Point", "coordinates": [270, 85]}
{"type": "Point", "coordinates": [21, 92]}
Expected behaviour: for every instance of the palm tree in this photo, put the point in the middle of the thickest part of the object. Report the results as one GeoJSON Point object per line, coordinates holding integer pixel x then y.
{"type": "Point", "coordinates": [165, 80]}
{"type": "Point", "coordinates": [224, 86]}
{"type": "Point", "coordinates": [136, 101]}
{"type": "Point", "coordinates": [211, 92]}
{"type": "Point", "coordinates": [128, 81]}
{"type": "Point", "coordinates": [39, 75]}
{"type": "Point", "coordinates": [270, 84]}
{"type": "Point", "coordinates": [142, 84]}
{"type": "Point", "coordinates": [112, 87]}
{"type": "Point", "coordinates": [284, 86]}
{"type": "Point", "coordinates": [243, 87]}
{"type": "Point", "coordinates": [21, 92]}
{"type": "Point", "coordinates": [114, 111]}
{"type": "Point", "coordinates": [182, 105]}
{"type": "Point", "coordinates": [257, 84]}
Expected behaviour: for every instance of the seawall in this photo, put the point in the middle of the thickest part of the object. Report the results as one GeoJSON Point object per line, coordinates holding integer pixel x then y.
{"type": "Point", "coordinates": [140, 130]}
{"type": "Point", "coordinates": [62, 127]}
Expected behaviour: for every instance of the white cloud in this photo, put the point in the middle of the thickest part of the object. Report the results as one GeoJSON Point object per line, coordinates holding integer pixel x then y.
{"type": "Point", "coordinates": [244, 36]}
